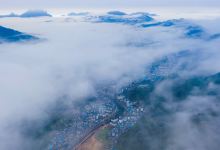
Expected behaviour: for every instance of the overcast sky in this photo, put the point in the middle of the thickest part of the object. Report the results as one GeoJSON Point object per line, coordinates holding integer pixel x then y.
{"type": "Point", "coordinates": [4, 4]}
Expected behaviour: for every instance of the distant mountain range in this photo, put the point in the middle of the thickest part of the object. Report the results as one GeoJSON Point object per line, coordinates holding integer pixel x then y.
{"type": "Point", "coordinates": [191, 30]}
{"type": "Point", "coordinates": [121, 17]}
{"type": "Point", "coordinates": [139, 19]}
{"type": "Point", "coordinates": [29, 14]}
{"type": "Point", "coordinates": [147, 20]}
{"type": "Point", "coordinates": [78, 14]}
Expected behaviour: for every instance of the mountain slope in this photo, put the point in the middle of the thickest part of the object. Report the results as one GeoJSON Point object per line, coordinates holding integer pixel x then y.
{"type": "Point", "coordinates": [10, 35]}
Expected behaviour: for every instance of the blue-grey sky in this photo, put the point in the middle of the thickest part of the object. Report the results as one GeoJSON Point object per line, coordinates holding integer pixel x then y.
{"type": "Point", "coordinates": [104, 3]}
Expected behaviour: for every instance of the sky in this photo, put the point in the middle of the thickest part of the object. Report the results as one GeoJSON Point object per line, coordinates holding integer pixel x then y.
{"type": "Point", "coordinates": [4, 4]}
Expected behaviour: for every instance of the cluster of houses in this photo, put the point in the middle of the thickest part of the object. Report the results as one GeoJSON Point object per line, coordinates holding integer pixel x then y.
{"type": "Point", "coordinates": [91, 115]}
{"type": "Point", "coordinates": [127, 120]}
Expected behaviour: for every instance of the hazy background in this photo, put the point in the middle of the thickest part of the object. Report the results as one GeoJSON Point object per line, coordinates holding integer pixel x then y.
{"type": "Point", "coordinates": [105, 3]}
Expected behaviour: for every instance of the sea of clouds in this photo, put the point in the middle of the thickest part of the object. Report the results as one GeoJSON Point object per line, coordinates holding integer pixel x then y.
{"type": "Point", "coordinates": [75, 57]}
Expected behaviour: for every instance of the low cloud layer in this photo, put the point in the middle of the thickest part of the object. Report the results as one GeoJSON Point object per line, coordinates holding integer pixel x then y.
{"type": "Point", "coordinates": [74, 59]}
